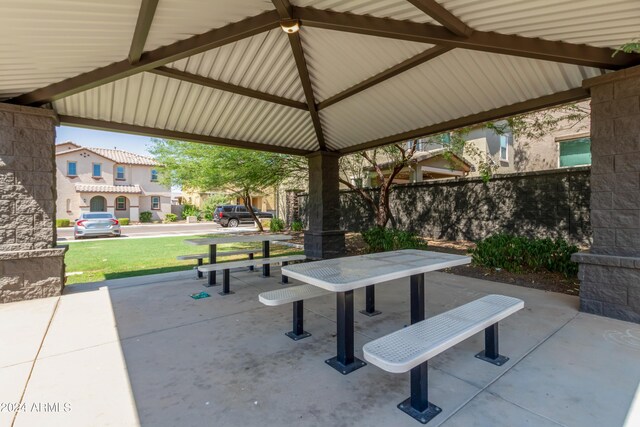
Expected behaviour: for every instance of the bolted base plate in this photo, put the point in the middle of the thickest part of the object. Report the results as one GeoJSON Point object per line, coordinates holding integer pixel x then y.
{"type": "Point", "coordinates": [296, 337]}
{"type": "Point", "coordinates": [424, 416]}
{"type": "Point", "coordinates": [498, 361]}
{"type": "Point", "coordinates": [370, 314]}
{"type": "Point", "coordinates": [345, 369]}
{"type": "Point", "coordinates": [225, 293]}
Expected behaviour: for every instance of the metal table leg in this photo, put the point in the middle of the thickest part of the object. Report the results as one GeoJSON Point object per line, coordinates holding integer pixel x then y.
{"type": "Point", "coordinates": [211, 275]}
{"type": "Point", "coordinates": [345, 362]}
{"type": "Point", "coordinates": [370, 302]}
{"type": "Point", "coordinates": [266, 268]}
{"type": "Point", "coordinates": [417, 298]}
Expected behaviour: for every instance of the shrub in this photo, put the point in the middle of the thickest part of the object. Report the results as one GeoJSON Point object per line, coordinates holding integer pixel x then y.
{"type": "Point", "coordinates": [379, 239]}
{"type": "Point", "coordinates": [208, 216]}
{"type": "Point", "coordinates": [518, 254]}
{"type": "Point", "coordinates": [190, 210]}
{"type": "Point", "coordinates": [276, 225]}
{"type": "Point", "coordinates": [124, 221]}
{"type": "Point", "coordinates": [296, 226]}
{"type": "Point", "coordinates": [63, 222]}
{"type": "Point", "coordinates": [170, 217]}
{"type": "Point", "coordinates": [145, 216]}
{"type": "Point", "coordinates": [266, 223]}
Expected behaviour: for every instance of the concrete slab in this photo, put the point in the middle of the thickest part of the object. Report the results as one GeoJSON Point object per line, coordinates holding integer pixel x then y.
{"type": "Point", "coordinates": [585, 374]}
{"type": "Point", "coordinates": [22, 328]}
{"type": "Point", "coordinates": [80, 388]}
{"type": "Point", "coordinates": [13, 380]}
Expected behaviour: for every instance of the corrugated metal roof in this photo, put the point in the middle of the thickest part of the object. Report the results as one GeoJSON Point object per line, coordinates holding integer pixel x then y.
{"type": "Point", "coordinates": [181, 19]}
{"type": "Point", "coordinates": [263, 62]}
{"type": "Point", "coordinates": [394, 9]}
{"type": "Point", "coordinates": [43, 42]}
{"type": "Point", "coordinates": [103, 188]}
{"type": "Point", "coordinates": [456, 84]}
{"type": "Point", "coordinates": [352, 58]}
{"type": "Point", "coordinates": [159, 102]}
{"type": "Point", "coordinates": [596, 22]}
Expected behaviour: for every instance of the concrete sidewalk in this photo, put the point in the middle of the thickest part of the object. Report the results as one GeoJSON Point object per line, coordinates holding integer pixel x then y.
{"type": "Point", "coordinates": [140, 351]}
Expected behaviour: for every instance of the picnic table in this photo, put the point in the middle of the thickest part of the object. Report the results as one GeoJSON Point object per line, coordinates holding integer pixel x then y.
{"type": "Point", "coordinates": [212, 242]}
{"type": "Point", "coordinates": [343, 275]}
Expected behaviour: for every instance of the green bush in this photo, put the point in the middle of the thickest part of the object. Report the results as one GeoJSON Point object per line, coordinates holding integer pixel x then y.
{"type": "Point", "coordinates": [123, 221]}
{"type": "Point", "coordinates": [170, 217]}
{"type": "Point", "coordinates": [296, 226]}
{"type": "Point", "coordinates": [145, 216]}
{"type": "Point", "coordinates": [190, 210]}
{"type": "Point", "coordinates": [276, 225]}
{"type": "Point", "coordinates": [380, 239]}
{"type": "Point", "coordinates": [518, 254]}
{"type": "Point", "coordinates": [63, 222]}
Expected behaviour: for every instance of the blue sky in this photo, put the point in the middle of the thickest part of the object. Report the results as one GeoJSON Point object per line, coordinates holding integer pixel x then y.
{"type": "Point", "coordinates": [97, 138]}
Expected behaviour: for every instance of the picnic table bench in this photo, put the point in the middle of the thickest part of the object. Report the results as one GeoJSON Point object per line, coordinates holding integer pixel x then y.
{"type": "Point", "coordinates": [201, 257]}
{"type": "Point", "coordinates": [213, 242]}
{"type": "Point", "coordinates": [412, 347]}
{"type": "Point", "coordinates": [226, 267]}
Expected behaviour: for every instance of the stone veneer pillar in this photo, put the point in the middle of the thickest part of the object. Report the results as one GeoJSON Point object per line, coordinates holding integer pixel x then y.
{"type": "Point", "coordinates": [323, 239]}
{"type": "Point", "coordinates": [610, 271]}
{"type": "Point", "coordinates": [31, 266]}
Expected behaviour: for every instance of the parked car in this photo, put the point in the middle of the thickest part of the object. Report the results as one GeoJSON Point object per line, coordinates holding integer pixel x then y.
{"type": "Point", "coordinates": [92, 224]}
{"type": "Point", "coordinates": [233, 215]}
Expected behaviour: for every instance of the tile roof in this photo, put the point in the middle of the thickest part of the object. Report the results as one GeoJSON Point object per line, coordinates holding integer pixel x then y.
{"type": "Point", "coordinates": [118, 156]}
{"type": "Point", "coordinates": [102, 188]}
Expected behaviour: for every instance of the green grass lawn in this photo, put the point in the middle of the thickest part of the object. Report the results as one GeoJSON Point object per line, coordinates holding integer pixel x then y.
{"type": "Point", "coordinates": [121, 257]}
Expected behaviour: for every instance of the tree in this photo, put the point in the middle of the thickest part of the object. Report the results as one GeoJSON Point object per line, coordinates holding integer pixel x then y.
{"type": "Point", "coordinates": [239, 172]}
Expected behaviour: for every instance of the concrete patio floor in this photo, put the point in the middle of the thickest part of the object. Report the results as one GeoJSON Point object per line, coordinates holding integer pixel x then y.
{"type": "Point", "coordinates": [140, 351]}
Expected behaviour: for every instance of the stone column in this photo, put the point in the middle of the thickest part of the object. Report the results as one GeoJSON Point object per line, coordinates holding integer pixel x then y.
{"type": "Point", "coordinates": [323, 239]}
{"type": "Point", "coordinates": [31, 266]}
{"type": "Point", "coordinates": [610, 272]}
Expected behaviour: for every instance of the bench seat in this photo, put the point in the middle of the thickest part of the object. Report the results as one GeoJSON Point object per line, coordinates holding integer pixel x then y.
{"type": "Point", "coordinates": [412, 347]}
{"type": "Point", "coordinates": [295, 295]}
{"type": "Point", "coordinates": [200, 257]}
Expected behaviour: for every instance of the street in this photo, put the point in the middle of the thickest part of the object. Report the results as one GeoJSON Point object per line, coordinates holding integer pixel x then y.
{"type": "Point", "coordinates": [65, 234]}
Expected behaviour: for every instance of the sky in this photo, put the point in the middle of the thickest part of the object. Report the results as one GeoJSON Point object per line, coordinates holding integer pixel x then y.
{"type": "Point", "coordinates": [101, 139]}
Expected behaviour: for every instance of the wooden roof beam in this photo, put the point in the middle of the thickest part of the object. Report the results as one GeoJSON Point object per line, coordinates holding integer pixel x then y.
{"type": "Point", "coordinates": [443, 16]}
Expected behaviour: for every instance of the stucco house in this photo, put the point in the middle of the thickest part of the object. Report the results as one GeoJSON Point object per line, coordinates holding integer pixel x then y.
{"type": "Point", "coordinates": [108, 180]}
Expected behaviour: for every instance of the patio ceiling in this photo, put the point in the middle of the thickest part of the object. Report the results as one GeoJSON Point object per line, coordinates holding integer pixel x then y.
{"type": "Point", "coordinates": [358, 74]}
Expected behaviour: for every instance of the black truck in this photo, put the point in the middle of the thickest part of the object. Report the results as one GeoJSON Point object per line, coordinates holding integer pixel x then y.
{"type": "Point", "coordinates": [233, 215]}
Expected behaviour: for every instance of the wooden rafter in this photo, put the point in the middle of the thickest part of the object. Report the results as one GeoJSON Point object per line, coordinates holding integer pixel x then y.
{"type": "Point", "coordinates": [145, 18]}
{"type": "Point", "coordinates": [412, 62]}
{"type": "Point", "coordinates": [514, 45]}
{"type": "Point", "coordinates": [182, 136]}
{"type": "Point", "coordinates": [443, 16]}
{"type": "Point", "coordinates": [153, 59]}
{"type": "Point", "coordinates": [227, 87]}
{"type": "Point", "coordinates": [547, 101]}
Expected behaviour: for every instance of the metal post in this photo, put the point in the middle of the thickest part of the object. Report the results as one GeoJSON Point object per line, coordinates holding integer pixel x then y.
{"type": "Point", "coordinates": [226, 285]}
{"type": "Point", "coordinates": [491, 351]}
{"type": "Point", "coordinates": [417, 298]}
{"type": "Point", "coordinates": [266, 268]}
{"type": "Point", "coordinates": [418, 405]}
{"type": "Point", "coordinates": [251, 268]}
{"type": "Point", "coordinates": [298, 332]}
{"type": "Point", "coordinates": [198, 271]}
{"type": "Point", "coordinates": [285, 279]}
{"type": "Point", "coordinates": [211, 275]}
{"type": "Point", "coordinates": [370, 301]}
{"type": "Point", "coordinates": [345, 362]}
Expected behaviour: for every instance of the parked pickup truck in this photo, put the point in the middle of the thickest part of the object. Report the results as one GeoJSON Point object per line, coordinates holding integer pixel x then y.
{"type": "Point", "coordinates": [233, 215]}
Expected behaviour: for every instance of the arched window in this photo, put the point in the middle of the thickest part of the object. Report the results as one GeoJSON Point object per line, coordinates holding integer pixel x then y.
{"type": "Point", "coordinates": [121, 203]}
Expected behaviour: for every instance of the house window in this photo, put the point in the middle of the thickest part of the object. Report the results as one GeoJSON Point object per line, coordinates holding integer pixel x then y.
{"type": "Point", "coordinates": [97, 170]}
{"type": "Point", "coordinates": [68, 205]}
{"type": "Point", "coordinates": [154, 175]}
{"type": "Point", "coordinates": [72, 169]}
{"type": "Point", "coordinates": [155, 202]}
{"type": "Point", "coordinates": [575, 152]}
{"type": "Point", "coordinates": [121, 203]}
{"type": "Point", "coordinates": [120, 173]}
{"type": "Point", "coordinates": [504, 148]}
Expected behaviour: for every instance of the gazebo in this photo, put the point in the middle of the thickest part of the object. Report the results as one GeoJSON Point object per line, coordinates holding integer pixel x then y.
{"type": "Point", "coordinates": [316, 78]}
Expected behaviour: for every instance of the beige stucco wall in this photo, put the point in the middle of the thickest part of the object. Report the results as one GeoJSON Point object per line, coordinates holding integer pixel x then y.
{"type": "Point", "coordinates": [134, 174]}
